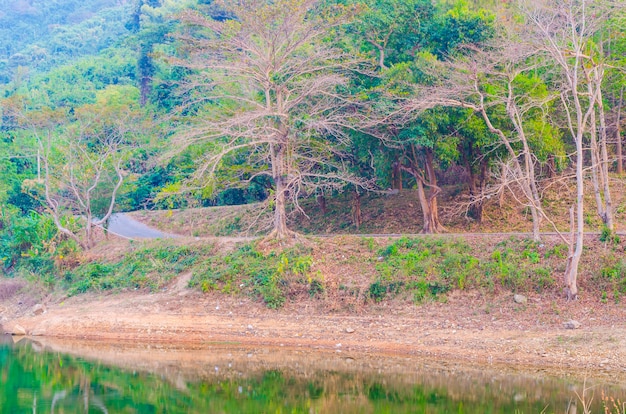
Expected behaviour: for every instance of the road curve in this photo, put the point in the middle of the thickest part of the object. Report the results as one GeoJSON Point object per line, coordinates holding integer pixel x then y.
{"type": "Point", "coordinates": [122, 225]}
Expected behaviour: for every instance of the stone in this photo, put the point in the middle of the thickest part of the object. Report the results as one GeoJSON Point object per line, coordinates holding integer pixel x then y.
{"type": "Point", "coordinates": [349, 330]}
{"type": "Point", "coordinates": [519, 299]}
{"type": "Point", "coordinates": [39, 309]}
{"type": "Point", "coordinates": [18, 330]}
{"type": "Point", "coordinates": [572, 324]}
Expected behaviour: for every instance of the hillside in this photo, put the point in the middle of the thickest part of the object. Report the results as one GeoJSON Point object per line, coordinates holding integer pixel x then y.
{"type": "Point", "coordinates": [40, 35]}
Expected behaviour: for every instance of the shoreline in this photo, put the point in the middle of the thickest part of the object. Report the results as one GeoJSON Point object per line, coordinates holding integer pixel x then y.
{"type": "Point", "coordinates": [427, 332]}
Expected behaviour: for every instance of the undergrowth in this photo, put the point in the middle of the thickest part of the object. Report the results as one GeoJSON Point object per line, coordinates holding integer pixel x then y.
{"type": "Point", "coordinates": [144, 268]}
{"type": "Point", "coordinates": [267, 275]}
{"type": "Point", "coordinates": [428, 268]}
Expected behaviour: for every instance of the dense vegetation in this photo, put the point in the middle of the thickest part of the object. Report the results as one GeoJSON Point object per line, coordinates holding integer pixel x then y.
{"type": "Point", "coordinates": [117, 106]}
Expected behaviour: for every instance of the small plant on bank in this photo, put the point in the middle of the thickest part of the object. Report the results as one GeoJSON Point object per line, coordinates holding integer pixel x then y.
{"type": "Point", "coordinates": [609, 237]}
{"type": "Point", "coordinates": [612, 278]}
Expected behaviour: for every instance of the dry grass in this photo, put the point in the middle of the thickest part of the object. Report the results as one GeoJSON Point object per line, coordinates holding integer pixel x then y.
{"type": "Point", "coordinates": [384, 213]}
{"type": "Point", "coordinates": [10, 287]}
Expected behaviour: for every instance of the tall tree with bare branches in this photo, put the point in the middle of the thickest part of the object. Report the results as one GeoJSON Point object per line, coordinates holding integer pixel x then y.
{"type": "Point", "coordinates": [564, 31]}
{"type": "Point", "coordinates": [270, 83]}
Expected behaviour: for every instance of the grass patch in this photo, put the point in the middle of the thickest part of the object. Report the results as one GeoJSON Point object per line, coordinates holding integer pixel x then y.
{"type": "Point", "coordinates": [265, 275]}
{"type": "Point", "coordinates": [144, 268]}
{"type": "Point", "coordinates": [424, 267]}
{"type": "Point", "coordinates": [611, 280]}
{"type": "Point", "coordinates": [428, 268]}
{"type": "Point", "coordinates": [521, 265]}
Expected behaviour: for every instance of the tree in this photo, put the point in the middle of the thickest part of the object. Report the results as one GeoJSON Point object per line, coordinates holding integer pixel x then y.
{"type": "Point", "coordinates": [491, 78]}
{"type": "Point", "coordinates": [563, 30]}
{"type": "Point", "coordinates": [270, 83]}
{"type": "Point", "coordinates": [83, 156]}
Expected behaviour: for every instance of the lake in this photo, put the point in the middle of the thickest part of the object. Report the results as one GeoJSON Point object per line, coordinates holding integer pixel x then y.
{"type": "Point", "coordinates": [54, 376]}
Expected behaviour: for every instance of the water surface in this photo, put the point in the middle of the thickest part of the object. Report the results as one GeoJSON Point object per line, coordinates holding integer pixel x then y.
{"type": "Point", "coordinates": [90, 377]}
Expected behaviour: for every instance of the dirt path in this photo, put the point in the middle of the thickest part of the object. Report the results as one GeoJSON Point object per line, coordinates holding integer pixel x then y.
{"type": "Point", "coordinates": [464, 329]}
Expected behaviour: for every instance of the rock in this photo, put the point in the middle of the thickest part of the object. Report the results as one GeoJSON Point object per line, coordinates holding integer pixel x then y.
{"type": "Point", "coordinates": [18, 330]}
{"type": "Point", "coordinates": [349, 330]}
{"type": "Point", "coordinates": [572, 324]}
{"type": "Point", "coordinates": [519, 299]}
{"type": "Point", "coordinates": [38, 309]}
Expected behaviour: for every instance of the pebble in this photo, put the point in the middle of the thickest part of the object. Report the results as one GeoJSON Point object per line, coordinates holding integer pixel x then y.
{"type": "Point", "coordinates": [38, 309]}
{"type": "Point", "coordinates": [572, 324]}
{"type": "Point", "coordinates": [519, 299]}
{"type": "Point", "coordinates": [349, 330]}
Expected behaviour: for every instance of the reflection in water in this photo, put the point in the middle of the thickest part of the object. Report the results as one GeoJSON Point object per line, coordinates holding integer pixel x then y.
{"type": "Point", "coordinates": [68, 377]}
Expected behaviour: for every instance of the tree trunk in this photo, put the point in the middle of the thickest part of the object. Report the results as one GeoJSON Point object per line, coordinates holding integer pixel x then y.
{"type": "Point", "coordinates": [396, 175]}
{"type": "Point", "coordinates": [144, 88]}
{"type": "Point", "coordinates": [280, 212]}
{"type": "Point", "coordinates": [476, 184]}
{"type": "Point", "coordinates": [618, 134]}
{"type": "Point", "coordinates": [604, 163]}
{"type": "Point", "coordinates": [433, 204]}
{"type": "Point", "coordinates": [280, 206]}
{"type": "Point", "coordinates": [321, 202]}
{"type": "Point", "coordinates": [502, 186]}
{"type": "Point", "coordinates": [427, 226]}
{"type": "Point", "coordinates": [576, 250]}
{"type": "Point", "coordinates": [357, 209]}
{"type": "Point", "coordinates": [551, 166]}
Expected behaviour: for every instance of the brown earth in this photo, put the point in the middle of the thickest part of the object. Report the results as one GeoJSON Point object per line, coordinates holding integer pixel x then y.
{"type": "Point", "coordinates": [381, 214]}
{"type": "Point", "coordinates": [469, 328]}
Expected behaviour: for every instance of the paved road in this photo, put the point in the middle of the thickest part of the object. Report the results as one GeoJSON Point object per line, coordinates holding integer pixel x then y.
{"type": "Point", "coordinates": [122, 225]}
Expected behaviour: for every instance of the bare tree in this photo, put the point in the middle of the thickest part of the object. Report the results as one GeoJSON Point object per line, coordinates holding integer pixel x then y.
{"type": "Point", "coordinates": [82, 160]}
{"type": "Point", "coordinates": [563, 30]}
{"type": "Point", "coordinates": [270, 84]}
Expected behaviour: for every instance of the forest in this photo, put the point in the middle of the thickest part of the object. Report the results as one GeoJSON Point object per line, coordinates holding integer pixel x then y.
{"type": "Point", "coordinates": [117, 105]}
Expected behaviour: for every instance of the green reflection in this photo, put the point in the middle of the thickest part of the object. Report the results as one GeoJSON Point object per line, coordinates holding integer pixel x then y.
{"type": "Point", "coordinates": [36, 380]}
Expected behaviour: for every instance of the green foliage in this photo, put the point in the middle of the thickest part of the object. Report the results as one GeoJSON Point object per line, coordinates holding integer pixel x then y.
{"type": "Point", "coordinates": [44, 34]}
{"type": "Point", "coordinates": [29, 243]}
{"type": "Point", "coordinates": [251, 271]}
{"type": "Point", "coordinates": [425, 267]}
{"type": "Point", "coordinates": [517, 265]}
{"type": "Point", "coordinates": [145, 268]}
{"type": "Point", "coordinates": [612, 277]}
{"type": "Point", "coordinates": [608, 236]}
